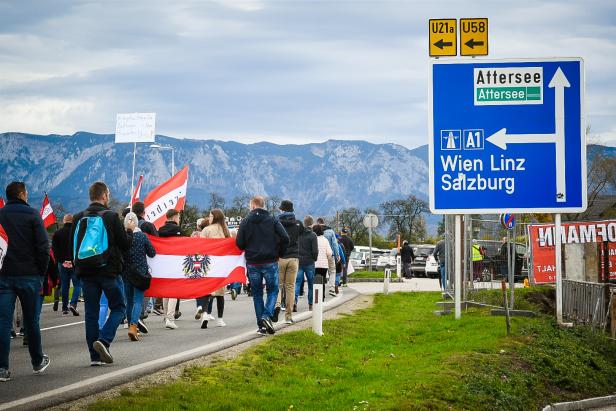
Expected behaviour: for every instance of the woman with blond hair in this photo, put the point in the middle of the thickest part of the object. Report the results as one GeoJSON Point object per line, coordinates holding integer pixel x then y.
{"type": "Point", "coordinates": [217, 228]}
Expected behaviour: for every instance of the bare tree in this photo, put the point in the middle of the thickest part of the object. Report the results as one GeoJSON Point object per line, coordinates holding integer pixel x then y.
{"type": "Point", "coordinates": [217, 201]}
{"type": "Point", "coordinates": [272, 203]}
{"type": "Point", "coordinates": [240, 205]}
{"type": "Point", "coordinates": [394, 214]}
{"type": "Point", "coordinates": [414, 208]}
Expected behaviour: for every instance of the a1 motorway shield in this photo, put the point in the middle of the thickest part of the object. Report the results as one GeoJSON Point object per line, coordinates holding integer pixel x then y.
{"type": "Point", "coordinates": [507, 135]}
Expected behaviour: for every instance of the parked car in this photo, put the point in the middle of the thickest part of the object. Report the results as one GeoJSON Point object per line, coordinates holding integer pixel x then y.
{"type": "Point", "coordinates": [495, 265]}
{"type": "Point", "coordinates": [431, 267]}
{"type": "Point", "coordinates": [387, 260]}
{"type": "Point", "coordinates": [360, 256]}
{"type": "Point", "coordinates": [422, 252]}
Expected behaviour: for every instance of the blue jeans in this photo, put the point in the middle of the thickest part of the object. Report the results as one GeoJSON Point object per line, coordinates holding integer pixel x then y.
{"type": "Point", "coordinates": [308, 270]}
{"type": "Point", "coordinates": [256, 274]}
{"type": "Point", "coordinates": [66, 276]}
{"type": "Point", "coordinates": [236, 286]}
{"type": "Point", "coordinates": [28, 289]}
{"type": "Point", "coordinates": [134, 301]}
{"type": "Point", "coordinates": [93, 287]}
{"type": "Point", "coordinates": [443, 277]}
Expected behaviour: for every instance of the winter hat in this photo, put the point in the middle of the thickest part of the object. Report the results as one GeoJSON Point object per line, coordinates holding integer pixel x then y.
{"type": "Point", "coordinates": [286, 205]}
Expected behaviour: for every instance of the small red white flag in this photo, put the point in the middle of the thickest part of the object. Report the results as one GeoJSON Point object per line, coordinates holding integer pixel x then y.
{"type": "Point", "coordinates": [4, 244]}
{"type": "Point", "coordinates": [1, 202]}
{"type": "Point", "coordinates": [187, 267]}
{"type": "Point", "coordinates": [137, 192]}
{"type": "Point", "coordinates": [170, 194]}
{"type": "Point", "coordinates": [47, 213]}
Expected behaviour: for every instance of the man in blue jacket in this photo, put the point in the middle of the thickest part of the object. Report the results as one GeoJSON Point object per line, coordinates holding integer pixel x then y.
{"type": "Point", "coordinates": [21, 275]}
{"type": "Point", "coordinates": [264, 240]}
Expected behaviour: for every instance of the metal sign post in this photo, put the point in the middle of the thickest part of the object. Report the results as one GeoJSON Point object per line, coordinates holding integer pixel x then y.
{"type": "Point", "coordinates": [458, 267]}
{"type": "Point", "coordinates": [370, 222]}
{"type": "Point", "coordinates": [559, 273]}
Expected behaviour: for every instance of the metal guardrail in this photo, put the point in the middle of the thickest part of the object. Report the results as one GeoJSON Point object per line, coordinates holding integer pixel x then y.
{"type": "Point", "coordinates": [585, 303]}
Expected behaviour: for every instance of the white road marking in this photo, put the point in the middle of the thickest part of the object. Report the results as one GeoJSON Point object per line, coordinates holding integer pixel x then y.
{"type": "Point", "coordinates": [63, 325]}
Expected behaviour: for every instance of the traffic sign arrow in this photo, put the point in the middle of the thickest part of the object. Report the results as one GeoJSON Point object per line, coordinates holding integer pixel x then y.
{"type": "Point", "coordinates": [472, 43]}
{"type": "Point", "coordinates": [501, 138]}
{"type": "Point", "coordinates": [440, 44]}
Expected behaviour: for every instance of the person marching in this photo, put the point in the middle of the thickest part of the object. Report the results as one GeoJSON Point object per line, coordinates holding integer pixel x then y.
{"type": "Point", "coordinates": [217, 228]}
{"type": "Point", "coordinates": [171, 228]}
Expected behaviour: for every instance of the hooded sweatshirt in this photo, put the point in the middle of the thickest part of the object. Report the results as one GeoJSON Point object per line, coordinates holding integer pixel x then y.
{"type": "Point", "coordinates": [293, 228]}
{"type": "Point", "coordinates": [262, 237]}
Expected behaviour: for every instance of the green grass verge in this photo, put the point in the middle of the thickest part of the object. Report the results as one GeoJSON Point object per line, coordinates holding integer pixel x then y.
{"type": "Point", "coordinates": [371, 274]}
{"type": "Point", "coordinates": [399, 355]}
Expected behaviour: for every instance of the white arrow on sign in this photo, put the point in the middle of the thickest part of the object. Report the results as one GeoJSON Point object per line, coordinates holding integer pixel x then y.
{"type": "Point", "coordinates": [501, 138]}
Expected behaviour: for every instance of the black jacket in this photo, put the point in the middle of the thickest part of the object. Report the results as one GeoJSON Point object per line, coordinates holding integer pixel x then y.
{"type": "Point", "coordinates": [406, 254]}
{"type": "Point", "coordinates": [147, 227]}
{"type": "Point", "coordinates": [28, 250]}
{"type": "Point", "coordinates": [262, 237]}
{"type": "Point", "coordinates": [170, 229]}
{"type": "Point", "coordinates": [60, 243]}
{"type": "Point", "coordinates": [348, 245]}
{"type": "Point", "coordinates": [119, 242]}
{"type": "Point", "coordinates": [308, 247]}
{"type": "Point", "coordinates": [293, 228]}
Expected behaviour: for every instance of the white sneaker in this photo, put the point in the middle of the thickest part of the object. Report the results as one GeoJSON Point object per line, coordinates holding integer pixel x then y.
{"type": "Point", "coordinates": [220, 322]}
{"type": "Point", "coordinates": [210, 317]}
{"type": "Point", "coordinates": [170, 325]}
{"type": "Point", "coordinates": [199, 313]}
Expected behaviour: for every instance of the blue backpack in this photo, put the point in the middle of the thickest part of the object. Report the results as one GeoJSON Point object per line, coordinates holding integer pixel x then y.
{"type": "Point", "coordinates": [91, 242]}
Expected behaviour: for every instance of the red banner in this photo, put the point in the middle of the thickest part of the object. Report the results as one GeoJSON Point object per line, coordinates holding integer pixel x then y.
{"type": "Point", "coordinates": [193, 267]}
{"type": "Point", "coordinates": [137, 193]}
{"type": "Point", "coordinates": [169, 195]}
{"type": "Point", "coordinates": [543, 252]}
{"type": "Point", "coordinates": [47, 213]}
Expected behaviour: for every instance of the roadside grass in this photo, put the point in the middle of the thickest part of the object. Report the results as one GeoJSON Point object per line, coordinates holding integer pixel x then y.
{"type": "Point", "coordinates": [399, 355]}
{"type": "Point", "coordinates": [371, 274]}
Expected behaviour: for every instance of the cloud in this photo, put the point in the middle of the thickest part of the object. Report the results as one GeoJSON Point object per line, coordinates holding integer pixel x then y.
{"type": "Point", "coordinates": [279, 71]}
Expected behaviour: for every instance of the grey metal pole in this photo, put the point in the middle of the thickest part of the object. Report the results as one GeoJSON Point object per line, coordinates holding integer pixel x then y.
{"type": "Point", "coordinates": [132, 180]}
{"type": "Point", "coordinates": [458, 266]}
{"type": "Point", "coordinates": [513, 254]}
{"type": "Point", "coordinates": [509, 272]}
{"type": "Point", "coordinates": [370, 244]}
{"type": "Point", "coordinates": [172, 162]}
{"type": "Point", "coordinates": [559, 274]}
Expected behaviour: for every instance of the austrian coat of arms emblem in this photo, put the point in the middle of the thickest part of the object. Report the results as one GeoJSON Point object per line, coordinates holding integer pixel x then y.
{"type": "Point", "coordinates": [196, 266]}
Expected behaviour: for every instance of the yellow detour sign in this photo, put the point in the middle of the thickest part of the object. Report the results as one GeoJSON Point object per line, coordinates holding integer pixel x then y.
{"type": "Point", "coordinates": [473, 37]}
{"type": "Point", "coordinates": [443, 37]}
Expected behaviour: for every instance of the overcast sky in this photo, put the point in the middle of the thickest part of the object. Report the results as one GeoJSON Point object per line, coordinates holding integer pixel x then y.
{"type": "Point", "coordinates": [280, 71]}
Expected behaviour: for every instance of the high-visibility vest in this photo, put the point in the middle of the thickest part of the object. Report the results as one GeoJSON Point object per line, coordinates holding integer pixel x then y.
{"type": "Point", "coordinates": [477, 253]}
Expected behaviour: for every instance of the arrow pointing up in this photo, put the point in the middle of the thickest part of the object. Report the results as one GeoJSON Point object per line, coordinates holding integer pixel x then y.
{"type": "Point", "coordinates": [501, 138]}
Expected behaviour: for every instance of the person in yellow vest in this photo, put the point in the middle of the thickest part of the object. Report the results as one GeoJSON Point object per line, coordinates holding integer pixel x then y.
{"type": "Point", "coordinates": [477, 260]}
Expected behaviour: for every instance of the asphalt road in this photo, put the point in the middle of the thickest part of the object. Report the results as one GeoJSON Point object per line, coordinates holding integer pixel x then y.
{"type": "Point", "coordinates": [70, 375]}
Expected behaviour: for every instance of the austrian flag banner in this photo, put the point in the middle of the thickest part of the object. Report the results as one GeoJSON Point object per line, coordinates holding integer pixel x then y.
{"type": "Point", "coordinates": [193, 267]}
{"type": "Point", "coordinates": [170, 194]}
{"type": "Point", "coordinates": [47, 213]}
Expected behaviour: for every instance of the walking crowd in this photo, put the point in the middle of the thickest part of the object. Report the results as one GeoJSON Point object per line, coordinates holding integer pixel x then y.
{"type": "Point", "coordinates": [105, 257]}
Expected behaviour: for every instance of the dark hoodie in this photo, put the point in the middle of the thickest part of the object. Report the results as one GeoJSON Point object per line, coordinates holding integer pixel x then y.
{"type": "Point", "coordinates": [262, 237]}
{"type": "Point", "coordinates": [293, 228]}
{"type": "Point", "coordinates": [170, 229]}
{"type": "Point", "coordinates": [308, 247]}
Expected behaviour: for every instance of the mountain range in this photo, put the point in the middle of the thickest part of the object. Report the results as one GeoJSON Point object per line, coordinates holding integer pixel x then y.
{"type": "Point", "coordinates": [319, 178]}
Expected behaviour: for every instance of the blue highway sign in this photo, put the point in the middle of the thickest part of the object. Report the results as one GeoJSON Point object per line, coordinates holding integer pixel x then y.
{"type": "Point", "coordinates": [507, 135]}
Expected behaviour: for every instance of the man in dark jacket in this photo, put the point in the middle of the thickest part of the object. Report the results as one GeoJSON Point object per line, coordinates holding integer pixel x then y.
{"type": "Point", "coordinates": [62, 252]}
{"type": "Point", "coordinates": [264, 240]}
{"type": "Point", "coordinates": [145, 226]}
{"type": "Point", "coordinates": [308, 251]}
{"type": "Point", "coordinates": [407, 256]}
{"type": "Point", "coordinates": [23, 268]}
{"type": "Point", "coordinates": [104, 278]}
{"type": "Point", "coordinates": [348, 245]}
{"type": "Point", "coordinates": [288, 263]}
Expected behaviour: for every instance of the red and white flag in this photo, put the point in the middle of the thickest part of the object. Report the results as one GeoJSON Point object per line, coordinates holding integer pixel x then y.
{"type": "Point", "coordinates": [187, 267]}
{"type": "Point", "coordinates": [4, 244]}
{"type": "Point", "coordinates": [1, 202]}
{"type": "Point", "coordinates": [47, 213]}
{"type": "Point", "coordinates": [137, 192]}
{"type": "Point", "coordinates": [170, 194]}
